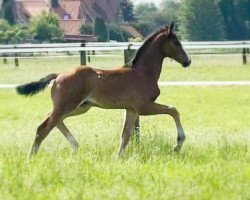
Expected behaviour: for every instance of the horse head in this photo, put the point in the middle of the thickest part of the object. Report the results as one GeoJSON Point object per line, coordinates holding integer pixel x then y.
{"type": "Point", "coordinates": [173, 48]}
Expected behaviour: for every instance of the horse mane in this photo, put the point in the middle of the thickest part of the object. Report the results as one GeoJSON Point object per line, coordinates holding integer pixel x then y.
{"type": "Point", "coordinates": [145, 44]}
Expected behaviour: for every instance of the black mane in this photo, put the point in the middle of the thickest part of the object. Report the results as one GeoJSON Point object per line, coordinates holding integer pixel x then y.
{"type": "Point", "coordinates": [145, 44]}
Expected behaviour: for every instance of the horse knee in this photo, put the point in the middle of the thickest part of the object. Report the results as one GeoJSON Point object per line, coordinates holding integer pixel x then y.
{"type": "Point", "coordinates": [174, 112]}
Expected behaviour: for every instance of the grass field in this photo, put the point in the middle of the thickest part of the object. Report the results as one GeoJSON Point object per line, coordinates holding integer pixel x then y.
{"type": "Point", "coordinates": [213, 164]}
{"type": "Point", "coordinates": [203, 68]}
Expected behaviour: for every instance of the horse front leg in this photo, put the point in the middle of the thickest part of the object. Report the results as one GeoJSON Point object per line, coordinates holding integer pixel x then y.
{"type": "Point", "coordinates": [155, 109]}
{"type": "Point", "coordinates": [136, 131]}
{"type": "Point", "coordinates": [131, 116]}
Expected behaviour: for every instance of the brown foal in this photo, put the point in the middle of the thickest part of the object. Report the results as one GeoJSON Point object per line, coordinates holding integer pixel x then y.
{"type": "Point", "coordinates": [134, 89]}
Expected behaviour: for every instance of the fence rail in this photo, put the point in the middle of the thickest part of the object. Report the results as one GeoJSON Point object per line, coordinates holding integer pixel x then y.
{"type": "Point", "coordinates": [23, 48]}
{"type": "Point", "coordinates": [6, 50]}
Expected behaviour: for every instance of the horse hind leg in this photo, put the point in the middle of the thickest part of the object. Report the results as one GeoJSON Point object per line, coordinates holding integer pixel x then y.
{"type": "Point", "coordinates": [68, 135]}
{"type": "Point", "coordinates": [64, 130]}
{"type": "Point", "coordinates": [43, 130]}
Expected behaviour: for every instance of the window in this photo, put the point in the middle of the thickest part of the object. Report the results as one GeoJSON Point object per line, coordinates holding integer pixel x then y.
{"type": "Point", "coordinates": [66, 16]}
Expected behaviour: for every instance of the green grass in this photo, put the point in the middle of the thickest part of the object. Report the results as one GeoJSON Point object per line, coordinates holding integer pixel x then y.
{"type": "Point", "coordinates": [213, 164]}
{"type": "Point", "coordinates": [202, 68]}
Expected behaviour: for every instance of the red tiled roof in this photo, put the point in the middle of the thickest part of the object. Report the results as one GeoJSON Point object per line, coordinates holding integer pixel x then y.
{"type": "Point", "coordinates": [71, 27]}
{"type": "Point", "coordinates": [107, 9]}
{"type": "Point", "coordinates": [71, 7]}
{"type": "Point", "coordinates": [32, 8]}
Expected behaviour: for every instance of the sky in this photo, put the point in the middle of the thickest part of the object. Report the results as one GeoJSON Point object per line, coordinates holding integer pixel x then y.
{"type": "Point", "coordinates": [157, 2]}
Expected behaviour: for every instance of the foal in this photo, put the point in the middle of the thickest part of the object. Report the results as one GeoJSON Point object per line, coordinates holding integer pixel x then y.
{"type": "Point", "coordinates": [134, 89]}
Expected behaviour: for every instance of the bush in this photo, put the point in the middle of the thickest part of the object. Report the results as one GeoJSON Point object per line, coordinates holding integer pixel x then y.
{"type": "Point", "coordinates": [87, 29]}
{"type": "Point", "coordinates": [117, 34]}
{"type": "Point", "coordinates": [13, 34]}
{"type": "Point", "coordinates": [46, 27]}
{"type": "Point", "coordinates": [4, 25]}
{"type": "Point", "coordinates": [144, 27]}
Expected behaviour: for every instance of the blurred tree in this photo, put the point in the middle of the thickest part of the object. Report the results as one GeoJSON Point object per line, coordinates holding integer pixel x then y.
{"type": "Point", "coordinates": [151, 17]}
{"type": "Point", "coordinates": [4, 25]}
{"type": "Point", "coordinates": [7, 12]}
{"type": "Point", "coordinates": [117, 33]}
{"type": "Point", "coordinates": [201, 20]}
{"type": "Point", "coordinates": [145, 9]}
{"type": "Point", "coordinates": [127, 8]}
{"type": "Point", "coordinates": [87, 29]}
{"type": "Point", "coordinates": [46, 27]}
{"type": "Point", "coordinates": [13, 34]}
{"type": "Point", "coordinates": [100, 29]}
{"type": "Point", "coordinates": [171, 9]}
{"type": "Point", "coordinates": [54, 3]}
{"type": "Point", "coordinates": [236, 15]}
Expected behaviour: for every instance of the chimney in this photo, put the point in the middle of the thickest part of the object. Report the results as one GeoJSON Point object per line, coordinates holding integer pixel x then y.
{"type": "Point", "coordinates": [54, 3]}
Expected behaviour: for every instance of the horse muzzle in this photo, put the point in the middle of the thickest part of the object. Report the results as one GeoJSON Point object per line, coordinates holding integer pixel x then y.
{"type": "Point", "coordinates": [186, 64]}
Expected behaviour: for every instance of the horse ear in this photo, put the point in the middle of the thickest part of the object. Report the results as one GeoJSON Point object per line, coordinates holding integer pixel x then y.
{"type": "Point", "coordinates": [172, 26]}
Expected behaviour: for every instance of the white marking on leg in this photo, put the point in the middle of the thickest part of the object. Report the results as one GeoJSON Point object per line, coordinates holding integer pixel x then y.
{"type": "Point", "coordinates": [72, 141]}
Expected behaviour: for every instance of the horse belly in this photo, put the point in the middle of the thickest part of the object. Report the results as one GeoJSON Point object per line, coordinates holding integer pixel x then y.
{"type": "Point", "coordinates": [112, 100]}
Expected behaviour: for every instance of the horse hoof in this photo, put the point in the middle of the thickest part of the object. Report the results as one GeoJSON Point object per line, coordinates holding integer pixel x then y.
{"type": "Point", "coordinates": [177, 149]}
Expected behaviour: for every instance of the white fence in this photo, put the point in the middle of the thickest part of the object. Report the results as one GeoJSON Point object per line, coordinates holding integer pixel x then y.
{"type": "Point", "coordinates": [6, 50]}
{"type": "Point", "coordinates": [109, 46]}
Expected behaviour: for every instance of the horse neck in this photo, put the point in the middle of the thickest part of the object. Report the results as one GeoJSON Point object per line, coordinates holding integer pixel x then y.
{"type": "Point", "coordinates": [150, 62]}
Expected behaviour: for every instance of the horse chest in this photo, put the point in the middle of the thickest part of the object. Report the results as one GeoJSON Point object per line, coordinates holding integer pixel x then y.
{"type": "Point", "coordinates": [154, 92]}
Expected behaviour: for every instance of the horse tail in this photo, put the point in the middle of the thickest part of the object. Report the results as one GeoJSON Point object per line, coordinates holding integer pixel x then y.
{"type": "Point", "coordinates": [32, 88]}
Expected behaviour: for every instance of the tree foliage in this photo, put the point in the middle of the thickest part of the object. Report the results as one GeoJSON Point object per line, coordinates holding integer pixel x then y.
{"type": "Point", "coordinates": [145, 9]}
{"type": "Point", "coordinates": [87, 29]}
{"type": "Point", "coordinates": [236, 15]}
{"type": "Point", "coordinates": [100, 29]}
{"type": "Point", "coordinates": [46, 27]}
{"type": "Point", "coordinates": [201, 20]}
{"type": "Point", "coordinates": [198, 19]}
{"type": "Point", "coordinates": [151, 17]}
{"type": "Point", "coordinates": [127, 8]}
{"type": "Point", "coordinates": [116, 33]}
{"type": "Point", "coordinates": [54, 3]}
{"type": "Point", "coordinates": [13, 34]}
{"type": "Point", "coordinates": [8, 11]}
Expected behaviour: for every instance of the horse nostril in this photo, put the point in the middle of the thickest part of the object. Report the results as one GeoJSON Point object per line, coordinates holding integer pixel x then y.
{"type": "Point", "coordinates": [186, 64]}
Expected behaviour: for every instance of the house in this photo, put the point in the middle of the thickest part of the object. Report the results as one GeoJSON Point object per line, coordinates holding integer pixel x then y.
{"type": "Point", "coordinates": [26, 9]}
{"type": "Point", "coordinates": [72, 13]}
{"type": "Point", "coordinates": [1, 4]}
{"type": "Point", "coordinates": [108, 10]}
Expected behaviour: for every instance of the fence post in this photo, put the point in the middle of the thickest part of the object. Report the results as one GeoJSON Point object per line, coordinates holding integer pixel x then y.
{"type": "Point", "coordinates": [89, 54]}
{"type": "Point", "coordinates": [128, 56]}
{"type": "Point", "coordinates": [244, 56]}
{"type": "Point", "coordinates": [248, 52]}
{"type": "Point", "coordinates": [4, 59]}
{"type": "Point", "coordinates": [16, 59]}
{"type": "Point", "coordinates": [83, 55]}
